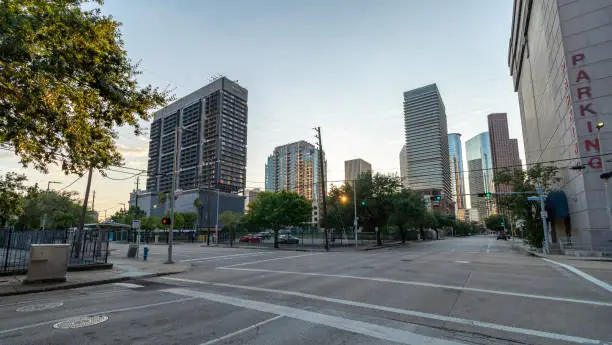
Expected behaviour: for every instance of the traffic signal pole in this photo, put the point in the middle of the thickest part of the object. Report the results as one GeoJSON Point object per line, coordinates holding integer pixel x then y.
{"type": "Point", "coordinates": [177, 137]}
{"type": "Point", "coordinates": [355, 223]}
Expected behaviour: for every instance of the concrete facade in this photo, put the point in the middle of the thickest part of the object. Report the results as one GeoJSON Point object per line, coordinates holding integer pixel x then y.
{"type": "Point", "coordinates": [403, 167]}
{"type": "Point", "coordinates": [560, 57]}
{"type": "Point", "coordinates": [427, 157]}
{"type": "Point", "coordinates": [504, 151]}
{"type": "Point", "coordinates": [355, 167]}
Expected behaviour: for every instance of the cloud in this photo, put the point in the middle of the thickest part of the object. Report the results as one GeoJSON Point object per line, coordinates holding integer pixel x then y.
{"type": "Point", "coordinates": [132, 151]}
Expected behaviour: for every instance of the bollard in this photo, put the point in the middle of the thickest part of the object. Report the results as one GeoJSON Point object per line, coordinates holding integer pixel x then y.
{"type": "Point", "coordinates": [145, 253]}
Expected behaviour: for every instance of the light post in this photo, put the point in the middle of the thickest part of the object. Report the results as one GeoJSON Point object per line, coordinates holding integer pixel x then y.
{"type": "Point", "coordinates": [604, 175]}
{"type": "Point", "coordinates": [355, 219]}
{"type": "Point", "coordinates": [49, 184]}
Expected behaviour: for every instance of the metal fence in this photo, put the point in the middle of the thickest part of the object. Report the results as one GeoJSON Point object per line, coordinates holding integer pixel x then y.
{"type": "Point", "coordinates": [88, 247]}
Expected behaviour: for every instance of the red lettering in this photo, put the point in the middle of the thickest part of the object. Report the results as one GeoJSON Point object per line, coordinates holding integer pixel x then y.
{"type": "Point", "coordinates": [566, 84]}
{"type": "Point", "coordinates": [584, 91]}
{"type": "Point", "coordinates": [588, 144]}
{"type": "Point", "coordinates": [567, 99]}
{"type": "Point", "coordinates": [595, 162]}
{"type": "Point", "coordinates": [585, 108]}
{"type": "Point", "coordinates": [577, 58]}
{"type": "Point", "coordinates": [576, 148]}
{"type": "Point", "coordinates": [573, 132]}
{"type": "Point", "coordinates": [563, 67]}
{"type": "Point", "coordinates": [571, 115]}
{"type": "Point", "coordinates": [590, 126]}
{"type": "Point", "coordinates": [582, 75]}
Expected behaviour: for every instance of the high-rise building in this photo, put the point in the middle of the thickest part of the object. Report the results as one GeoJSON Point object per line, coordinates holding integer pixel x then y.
{"type": "Point", "coordinates": [403, 167]}
{"type": "Point", "coordinates": [212, 146]}
{"type": "Point", "coordinates": [252, 195]}
{"type": "Point", "coordinates": [480, 172]}
{"type": "Point", "coordinates": [504, 151]}
{"type": "Point", "coordinates": [455, 153]}
{"type": "Point", "coordinates": [559, 57]}
{"type": "Point", "coordinates": [295, 167]}
{"type": "Point", "coordinates": [427, 157]}
{"type": "Point", "coordinates": [355, 167]}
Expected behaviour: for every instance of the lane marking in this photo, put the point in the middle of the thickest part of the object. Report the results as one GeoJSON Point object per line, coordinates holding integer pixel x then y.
{"type": "Point", "coordinates": [266, 260]}
{"type": "Point", "coordinates": [129, 285]}
{"type": "Point", "coordinates": [437, 317]}
{"type": "Point", "coordinates": [489, 247]}
{"type": "Point", "coordinates": [582, 274]}
{"type": "Point", "coordinates": [222, 256]}
{"type": "Point", "coordinates": [259, 324]}
{"type": "Point", "coordinates": [414, 283]}
{"type": "Point", "coordinates": [462, 262]}
{"type": "Point", "coordinates": [143, 306]}
{"type": "Point", "coordinates": [354, 326]}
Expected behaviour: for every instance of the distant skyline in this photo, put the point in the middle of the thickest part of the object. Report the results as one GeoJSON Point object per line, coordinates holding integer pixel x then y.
{"type": "Point", "coordinates": [341, 65]}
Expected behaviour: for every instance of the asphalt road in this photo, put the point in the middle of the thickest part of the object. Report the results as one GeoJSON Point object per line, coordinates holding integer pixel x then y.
{"type": "Point", "coordinates": [474, 290]}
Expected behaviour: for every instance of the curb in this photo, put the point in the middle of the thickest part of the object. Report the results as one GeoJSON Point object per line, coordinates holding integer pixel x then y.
{"type": "Point", "coordinates": [391, 245]}
{"type": "Point", "coordinates": [83, 284]}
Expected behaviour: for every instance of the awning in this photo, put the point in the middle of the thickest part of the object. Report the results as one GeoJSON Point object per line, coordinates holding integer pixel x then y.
{"type": "Point", "coordinates": [556, 204]}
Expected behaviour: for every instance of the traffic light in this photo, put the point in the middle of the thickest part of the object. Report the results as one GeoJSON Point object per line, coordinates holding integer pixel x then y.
{"type": "Point", "coordinates": [166, 221]}
{"type": "Point", "coordinates": [502, 223]}
{"type": "Point", "coordinates": [363, 203]}
{"type": "Point", "coordinates": [435, 198]}
{"type": "Point", "coordinates": [484, 195]}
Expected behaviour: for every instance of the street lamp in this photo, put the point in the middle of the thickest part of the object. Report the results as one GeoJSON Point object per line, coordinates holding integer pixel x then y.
{"type": "Point", "coordinates": [343, 199]}
{"type": "Point", "coordinates": [51, 182]}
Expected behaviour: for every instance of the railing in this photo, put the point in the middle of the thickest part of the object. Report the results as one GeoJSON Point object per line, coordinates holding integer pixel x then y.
{"type": "Point", "coordinates": [88, 247]}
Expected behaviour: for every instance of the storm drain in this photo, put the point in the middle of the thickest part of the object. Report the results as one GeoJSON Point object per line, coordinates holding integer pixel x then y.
{"type": "Point", "coordinates": [82, 321]}
{"type": "Point", "coordinates": [41, 306]}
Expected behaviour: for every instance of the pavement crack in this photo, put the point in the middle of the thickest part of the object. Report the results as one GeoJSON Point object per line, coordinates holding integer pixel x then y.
{"type": "Point", "coordinates": [459, 293]}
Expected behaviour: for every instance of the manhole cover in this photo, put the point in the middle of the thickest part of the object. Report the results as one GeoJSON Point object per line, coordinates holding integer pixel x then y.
{"type": "Point", "coordinates": [42, 306]}
{"type": "Point", "coordinates": [83, 321]}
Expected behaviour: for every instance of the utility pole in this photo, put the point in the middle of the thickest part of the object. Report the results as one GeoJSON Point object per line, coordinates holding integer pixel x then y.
{"type": "Point", "coordinates": [137, 185]}
{"type": "Point", "coordinates": [544, 215]}
{"type": "Point", "coordinates": [93, 200]}
{"type": "Point", "coordinates": [323, 186]}
{"type": "Point", "coordinates": [177, 137]}
{"type": "Point", "coordinates": [355, 220]}
{"type": "Point", "coordinates": [84, 213]}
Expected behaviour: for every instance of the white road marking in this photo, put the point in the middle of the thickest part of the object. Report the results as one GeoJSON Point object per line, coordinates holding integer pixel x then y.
{"type": "Point", "coordinates": [584, 275]}
{"type": "Point", "coordinates": [266, 260]}
{"type": "Point", "coordinates": [437, 317]}
{"type": "Point", "coordinates": [414, 283]}
{"type": "Point", "coordinates": [227, 336]}
{"type": "Point", "coordinates": [129, 285]}
{"type": "Point", "coordinates": [462, 262]}
{"type": "Point", "coordinates": [359, 327]}
{"type": "Point", "coordinates": [143, 306]}
{"type": "Point", "coordinates": [222, 256]}
{"type": "Point", "coordinates": [489, 247]}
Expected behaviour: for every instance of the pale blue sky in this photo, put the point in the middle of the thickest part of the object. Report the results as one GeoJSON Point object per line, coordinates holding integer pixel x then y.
{"type": "Point", "coordinates": [342, 65]}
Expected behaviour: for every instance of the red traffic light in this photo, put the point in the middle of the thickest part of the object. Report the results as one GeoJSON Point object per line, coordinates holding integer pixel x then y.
{"type": "Point", "coordinates": [166, 221]}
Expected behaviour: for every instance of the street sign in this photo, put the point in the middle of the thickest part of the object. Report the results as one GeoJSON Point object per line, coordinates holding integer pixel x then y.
{"type": "Point", "coordinates": [136, 224]}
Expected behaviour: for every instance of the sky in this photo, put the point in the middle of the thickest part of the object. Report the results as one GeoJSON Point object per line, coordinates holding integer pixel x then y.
{"type": "Point", "coordinates": [342, 65]}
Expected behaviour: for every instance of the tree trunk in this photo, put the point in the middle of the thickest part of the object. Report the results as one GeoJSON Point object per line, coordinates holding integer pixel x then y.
{"type": "Point", "coordinates": [276, 238]}
{"type": "Point", "coordinates": [422, 233]}
{"type": "Point", "coordinates": [378, 238]}
{"type": "Point", "coordinates": [437, 236]}
{"type": "Point", "coordinates": [402, 233]}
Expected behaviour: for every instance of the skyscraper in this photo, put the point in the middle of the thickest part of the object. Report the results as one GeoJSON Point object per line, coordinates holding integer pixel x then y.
{"type": "Point", "coordinates": [403, 167]}
{"type": "Point", "coordinates": [480, 172]}
{"type": "Point", "coordinates": [559, 57]}
{"type": "Point", "coordinates": [355, 167]}
{"type": "Point", "coordinates": [212, 147]}
{"type": "Point", "coordinates": [427, 157]}
{"type": "Point", "coordinates": [456, 168]}
{"type": "Point", "coordinates": [504, 151]}
{"type": "Point", "coordinates": [295, 167]}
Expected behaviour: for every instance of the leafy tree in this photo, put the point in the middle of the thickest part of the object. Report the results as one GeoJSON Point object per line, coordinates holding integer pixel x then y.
{"type": "Point", "coordinates": [375, 192]}
{"type": "Point", "coordinates": [127, 216]}
{"type": "Point", "coordinates": [12, 188]}
{"type": "Point", "coordinates": [279, 210]}
{"type": "Point", "coordinates": [408, 209]}
{"type": "Point", "coordinates": [67, 84]}
{"type": "Point", "coordinates": [230, 220]}
{"type": "Point", "coordinates": [150, 223]}
{"type": "Point", "coordinates": [494, 222]}
{"type": "Point", "coordinates": [189, 219]}
{"type": "Point", "coordinates": [517, 204]}
{"type": "Point", "coordinates": [52, 210]}
{"type": "Point", "coordinates": [340, 211]}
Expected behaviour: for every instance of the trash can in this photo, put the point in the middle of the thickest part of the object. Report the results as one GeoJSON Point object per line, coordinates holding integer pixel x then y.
{"type": "Point", "coordinates": [48, 263]}
{"type": "Point", "coordinates": [132, 251]}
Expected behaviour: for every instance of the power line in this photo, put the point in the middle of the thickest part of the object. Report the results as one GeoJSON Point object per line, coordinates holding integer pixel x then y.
{"type": "Point", "coordinates": [73, 182]}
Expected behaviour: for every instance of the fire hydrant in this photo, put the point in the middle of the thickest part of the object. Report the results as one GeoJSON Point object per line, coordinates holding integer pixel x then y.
{"type": "Point", "coordinates": [145, 253]}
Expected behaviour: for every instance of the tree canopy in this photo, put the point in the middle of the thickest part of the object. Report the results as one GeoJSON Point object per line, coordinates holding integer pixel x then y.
{"type": "Point", "coordinates": [12, 186]}
{"type": "Point", "coordinates": [279, 210]}
{"type": "Point", "coordinates": [66, 83]}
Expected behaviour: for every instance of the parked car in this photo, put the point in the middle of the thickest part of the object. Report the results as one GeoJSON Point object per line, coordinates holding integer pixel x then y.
{"type": "Point", "coordinates": [288, 239]}
{"type": "Point", "coordinates": [264, 235]}
{"type": "Point", "coordinates": [250, 239]}
{"type": "Point", "coordinates": [502, 236]}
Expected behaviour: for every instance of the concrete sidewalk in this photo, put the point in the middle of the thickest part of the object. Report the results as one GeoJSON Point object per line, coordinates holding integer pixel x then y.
{"type": "Point", "coordinates": [123, 269]}
{"type": "Point", "coordinates": [521, 247]}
